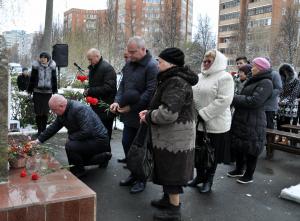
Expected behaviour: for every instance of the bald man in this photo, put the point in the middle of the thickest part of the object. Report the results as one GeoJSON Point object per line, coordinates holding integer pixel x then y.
{"type": "Point", "coordinates": [87, 142]}
{"type": "Point", "coordinates": [102, 85]}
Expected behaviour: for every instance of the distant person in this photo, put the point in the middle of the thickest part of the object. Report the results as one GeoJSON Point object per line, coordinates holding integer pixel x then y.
{"type": "Point", "coordinates": [271, 105]}
{"type": "Point", "coordinates": [288, 98]}
{"type": "Point", "coordinates": [103, 86]}
{"type": "Point", "coordinates": [87, 141]}
{"type": "Point", "coordinates": [43, 83]}
{"type": "Point", "coordinates": [139, 74]}
{"type": "Point", "coordinates": [23, 80]}
{"type": "Point", "coordinates": [243, 73]}
{"type": "Point", "coordinates": [248, 129]}
{"type": "Point", "coordinates": [212, 96]}
{"type": "Point", "coordinates": [240, 61]}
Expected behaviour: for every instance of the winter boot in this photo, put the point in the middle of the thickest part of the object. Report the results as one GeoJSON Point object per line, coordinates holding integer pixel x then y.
{"type": "Point", "coordinates": [171, 214]}
{"type": "Point", "coordinates": [200, 178]}
{"type": "Point", "coordinates": [161, 203]}
{"type": "Point", "coordinates": [206, 187]}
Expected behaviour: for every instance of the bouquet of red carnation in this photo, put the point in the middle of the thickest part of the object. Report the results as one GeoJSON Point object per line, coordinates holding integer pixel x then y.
{"type": "Point", "coordinates": [82, 78]}
{"type": "Point", "coordinates": [95, 101]}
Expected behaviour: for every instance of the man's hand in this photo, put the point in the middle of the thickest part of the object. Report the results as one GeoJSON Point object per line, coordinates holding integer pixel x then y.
{"type": "Point", "coordinates": [113, 107]}
{"type": "Point", "coordinates": [124, 109]}
{"type": "Point", "coordinates": [34, 142]}
{"type": "Point", "coordinates": [142, 115]}
{"type": "Point", "coordinates": [86, 92]}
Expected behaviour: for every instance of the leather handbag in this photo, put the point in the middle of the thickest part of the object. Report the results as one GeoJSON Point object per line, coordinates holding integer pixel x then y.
{"type": "Point", "coordinates": [140, 154]}
{"type": "Point", "coordinates": [204, 152]}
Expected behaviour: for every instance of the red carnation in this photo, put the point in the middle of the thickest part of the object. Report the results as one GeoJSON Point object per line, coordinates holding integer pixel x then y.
{"type": "Point", "coordinates": [23, 173]}
{"type": "Point", "coordinates": [34, 176]}
{"type": "Point", "coordinates": [92, 100]}
{"type": "Point", "coordinates": [82, 78]}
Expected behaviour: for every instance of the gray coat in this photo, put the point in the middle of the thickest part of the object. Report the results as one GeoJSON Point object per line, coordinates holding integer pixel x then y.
{"type": "Point", "coordinates": [172, 121]}
{"type": "Point", "coordinates": [272, 103]}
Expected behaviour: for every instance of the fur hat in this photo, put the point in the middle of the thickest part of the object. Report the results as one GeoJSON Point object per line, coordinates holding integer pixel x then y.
{"type": "Point", "coordinates": [173, 55]}
{"type": "Point", "coordinates": [45, 55]}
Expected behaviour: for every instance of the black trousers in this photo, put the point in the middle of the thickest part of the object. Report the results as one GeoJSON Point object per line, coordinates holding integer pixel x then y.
{"type": "Point", "coordinates": [247, 160]}
{"type": "Point", "coordinates": [80, 152]}
{"type": "Point", "coordinates": [168, 189]}
{"type": "Point", "coordinates": [108, 124]}
{"type": "Point", "coordinates": [270, 115]}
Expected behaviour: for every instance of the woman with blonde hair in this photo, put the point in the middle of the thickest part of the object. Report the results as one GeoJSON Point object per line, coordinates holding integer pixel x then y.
{"type": "Point", "coordinates": [212, 97]}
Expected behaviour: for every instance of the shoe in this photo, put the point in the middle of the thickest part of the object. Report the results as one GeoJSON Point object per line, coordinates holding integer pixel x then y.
{"type": "Point", "coordinates": [206, 186]}
{"type": "Point", "coordinates": [161, 203]}
{"type": "Point", "coordinates": [129, 181]}
{"type": "Point", "coordinates": [124, 160]}
{"type": "Point", "coordinates": [197, 180]}
{"type": "Point", "coordinates": [245, 180]}
{"type": "Point", "coordinates": [100, 159]}
{"type": "Point", "coordinates": [138, 187]}
{"type": "Point", "coordinates": [171, 214]}
{"type": "Point", "coordinates": [235, 173]}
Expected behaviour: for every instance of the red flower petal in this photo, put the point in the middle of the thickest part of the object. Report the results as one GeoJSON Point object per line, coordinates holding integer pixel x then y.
{"type": "Point", "coordinates": [34, 176]}
{"type": "Point", "coordinates": [23, 173]}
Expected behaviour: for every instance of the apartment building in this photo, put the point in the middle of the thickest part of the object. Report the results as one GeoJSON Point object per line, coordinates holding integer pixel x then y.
{"type": "Point", "coordinates": [248, 27]}
{"type": "Point", "coordinates": [145, 17]}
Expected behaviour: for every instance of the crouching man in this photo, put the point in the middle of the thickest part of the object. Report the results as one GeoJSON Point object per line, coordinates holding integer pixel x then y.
{"type": "Point", "coordinates": [87, 142]}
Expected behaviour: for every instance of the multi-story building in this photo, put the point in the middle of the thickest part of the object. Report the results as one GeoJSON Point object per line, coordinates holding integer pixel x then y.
{"type": "Point", "coordinates": [147, 17]}
{"type": "Point", "coordinates": [249, 27]}
{"type": "Point", "coordinates": [80, 19]}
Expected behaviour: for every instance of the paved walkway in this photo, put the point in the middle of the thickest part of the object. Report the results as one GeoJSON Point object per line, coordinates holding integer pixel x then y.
{"type": "Point", "coordinates": [229, 200]}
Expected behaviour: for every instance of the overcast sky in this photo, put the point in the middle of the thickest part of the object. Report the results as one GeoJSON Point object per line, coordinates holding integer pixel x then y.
{"type": "Point", "coordinates": [29, 15]}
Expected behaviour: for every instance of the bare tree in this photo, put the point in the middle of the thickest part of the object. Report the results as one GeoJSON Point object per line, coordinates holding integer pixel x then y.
{"type": "Point", "coordinates": [46, 41]}
{"type": "Point", "coordinates": [36, 46]}
{"type": "Point", "coordinates": [286, 47]}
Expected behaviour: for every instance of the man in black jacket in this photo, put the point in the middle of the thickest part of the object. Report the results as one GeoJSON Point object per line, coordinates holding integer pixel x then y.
{"type": "Point", "coordinates": [103, 86]}
{"type": "Point", "coordinates": [23, 80]}
{"type": "Point", "coordinates": [139, 74]}
{"type": "Point", "coordinates": [87, 142]}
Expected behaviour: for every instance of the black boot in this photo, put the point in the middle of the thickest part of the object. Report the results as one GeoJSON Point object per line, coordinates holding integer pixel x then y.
{"type": "Point", "coordinates": [172, 213]}
{"type": "Point", "coordinates": [200, 178]}
{"type": "Point", "coordinates": [161, 203]}
{"type": "Point", "coordinates": [38, 121]}
{"type": "Point", "coordinates": [206, 187]}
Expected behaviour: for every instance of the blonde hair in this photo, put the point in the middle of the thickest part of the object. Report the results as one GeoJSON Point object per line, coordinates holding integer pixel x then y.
{"type": "Point", "coordinates": [210, 54]}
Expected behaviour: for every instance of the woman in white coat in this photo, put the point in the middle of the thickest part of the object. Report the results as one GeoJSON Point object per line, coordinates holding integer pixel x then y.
{"type": "Point", "coordinates": [213, 95]}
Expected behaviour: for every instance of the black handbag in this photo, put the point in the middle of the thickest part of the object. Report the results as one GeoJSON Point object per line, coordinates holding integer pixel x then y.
{"type": "Point", "coordinates": [204, 152]}
{"type": "Point", "coordinates": [140, 154]}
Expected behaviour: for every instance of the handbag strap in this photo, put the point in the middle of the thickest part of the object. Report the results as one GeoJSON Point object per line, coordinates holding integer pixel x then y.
{"type": "Point", "coordinates": [205, 135]}
{"type": "Point", "coordinates": [141, 135]}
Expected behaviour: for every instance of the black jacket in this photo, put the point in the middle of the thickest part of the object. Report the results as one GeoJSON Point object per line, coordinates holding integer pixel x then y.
{"type": "Point", "coordinates": [80, 120]}
{"type": "Point", "coordinates": [23, 82]}
{"type": "Point", "coordinates": [248, 129]}
{"type": "Point", "coordinates": [102, 85]}
{"type": "Point", "coordinates": [139, 76]}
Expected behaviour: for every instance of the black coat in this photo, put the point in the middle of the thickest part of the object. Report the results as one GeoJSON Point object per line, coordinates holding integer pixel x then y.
{"type": "Point", "coordinates": [81, 121]}
{"type": "Point", "coordinates": [248, 129]}
{"type": "Point", "coordinates": [23, 82]}
{"type": "Point", "coordinates": [102, 85]}
{"type": "Point", "coordinates": [139, 76]}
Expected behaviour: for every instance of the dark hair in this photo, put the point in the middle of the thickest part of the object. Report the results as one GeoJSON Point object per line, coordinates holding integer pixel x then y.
{"type": "Point", "coordinates": [242, 58]}
{"type": "Point", "coordinates": [24, 69]}
{"type": "Point", "coordinates": [286, 68]}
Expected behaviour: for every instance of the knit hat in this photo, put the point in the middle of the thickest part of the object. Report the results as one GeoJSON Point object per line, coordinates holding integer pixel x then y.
{"type": "Point", "coordinates": [173, 55]}
{"type": "Point", "coordinates": [261, 63]}
{"type": "Point", "coordinates": [45, 55]}
{"type": "Point", "coordinates": [246, 68]}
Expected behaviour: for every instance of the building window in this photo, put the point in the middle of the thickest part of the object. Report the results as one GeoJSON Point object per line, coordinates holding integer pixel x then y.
{"type": "Point", "coordinates": [229, 16]}
{"type": "Point", "coordinates": [260, 10]}
{"type": "Point", "coordinates": [230, 4]}
{"type": "Point", "coordinates": [232, 27]}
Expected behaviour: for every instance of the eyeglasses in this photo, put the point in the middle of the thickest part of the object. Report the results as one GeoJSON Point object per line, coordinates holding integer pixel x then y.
{"type": "Point", "coordinates": [207, 62]}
